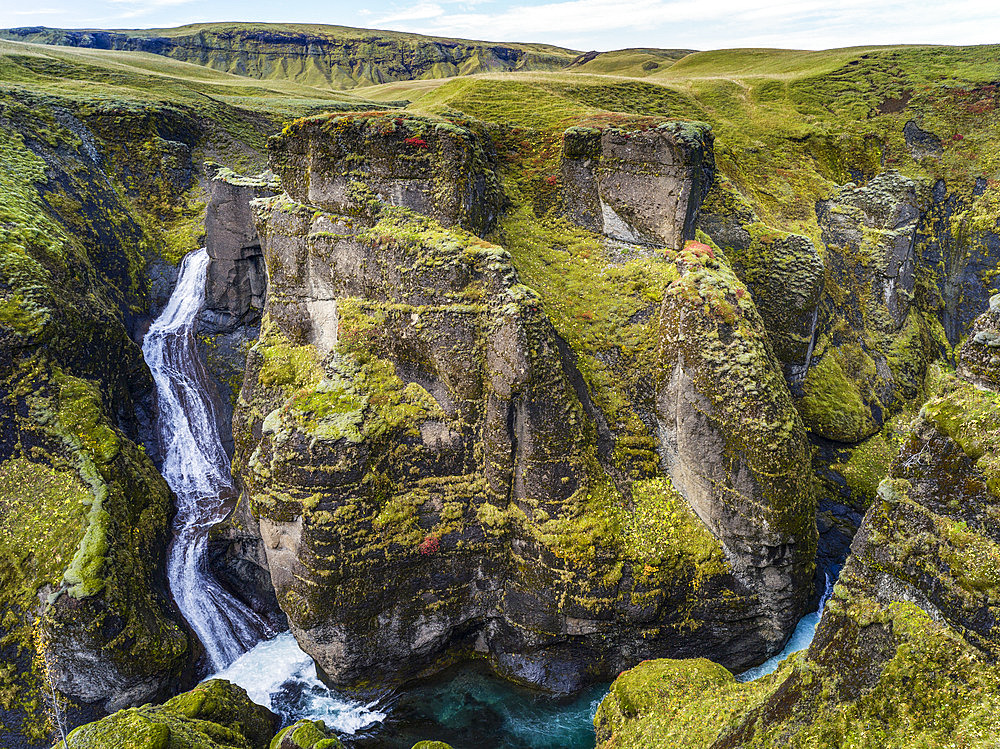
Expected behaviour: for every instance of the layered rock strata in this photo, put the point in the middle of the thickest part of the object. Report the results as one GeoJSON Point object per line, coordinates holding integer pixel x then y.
{"type": "Point", "coordinates": [907, 647]}
{"type": "Point", "coordinates": [427, 472]}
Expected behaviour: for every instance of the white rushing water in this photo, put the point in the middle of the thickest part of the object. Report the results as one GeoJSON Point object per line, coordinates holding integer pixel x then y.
{"type": "Point", "coordinates": [196, 467]}
{"type": "Point", "coordinates": [275, 673]}
{"type": "Point", "coordinates": [803, 635]}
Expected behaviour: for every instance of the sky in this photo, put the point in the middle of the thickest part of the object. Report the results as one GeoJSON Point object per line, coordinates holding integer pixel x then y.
{"type": "Point", "coordinates": [577, 24]}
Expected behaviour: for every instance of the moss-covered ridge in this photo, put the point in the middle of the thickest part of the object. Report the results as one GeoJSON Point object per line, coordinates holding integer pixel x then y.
{"type": "Point", "coordinates": [905, 652]}
{"type": "Point", "coordinates": [213, 715]}
{"type": "Point", "coordinates": [792, 129]}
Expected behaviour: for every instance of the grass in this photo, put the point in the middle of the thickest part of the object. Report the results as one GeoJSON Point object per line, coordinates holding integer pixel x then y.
{"type": "Point", "coordinates": [350, 57]}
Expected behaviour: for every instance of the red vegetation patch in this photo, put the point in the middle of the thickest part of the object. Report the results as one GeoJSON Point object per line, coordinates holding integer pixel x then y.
{"type": "Point", "coordinates": [430, 545]}
{"type": "Point", "coordinates": [699, 249]}
{"type": "Point", "coordinates": [417, 142]}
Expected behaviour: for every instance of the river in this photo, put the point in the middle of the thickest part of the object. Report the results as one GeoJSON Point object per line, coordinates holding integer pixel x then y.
{"type": "Point", "coordinates": [467, 706]}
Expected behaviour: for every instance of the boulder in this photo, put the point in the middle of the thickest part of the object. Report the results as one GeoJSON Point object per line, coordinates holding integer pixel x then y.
{"type": "Point", "coordinates": [213, 715]}
{"type": "Point", "coordinates": [641, 186]}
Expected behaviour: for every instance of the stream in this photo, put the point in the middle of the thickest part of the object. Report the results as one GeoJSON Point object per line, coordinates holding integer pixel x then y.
{"type": "Point", "coordinates": [466, 706]}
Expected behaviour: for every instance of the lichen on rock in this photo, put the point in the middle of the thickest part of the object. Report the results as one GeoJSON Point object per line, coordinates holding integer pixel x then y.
{"type": "Point", "coordinates": [434, 472]}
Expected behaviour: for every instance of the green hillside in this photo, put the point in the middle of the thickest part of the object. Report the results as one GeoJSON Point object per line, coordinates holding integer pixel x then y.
{"type": "Point", "coordinates": [334, 57]}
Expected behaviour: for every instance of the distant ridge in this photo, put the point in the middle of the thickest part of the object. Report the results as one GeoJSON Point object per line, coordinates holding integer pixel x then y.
{"type": "Point", "coordinates": [336, 57]}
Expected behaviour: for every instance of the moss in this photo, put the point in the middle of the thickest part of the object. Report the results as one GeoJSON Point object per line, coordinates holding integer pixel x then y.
{"type": "Point", "coordinates": [652, 705]}
{"type": "Point", "coordinates": [285, 364]}
{"type": "Point", "coordinates": [971, 416]}
{"type": "Point", "coordinates": [214, 715]}
{"type": "Point", "coordinates": [663, 535]}
{"type": "Point", "coordinates": [870, 461]}
{"type": "Point", "coordinates": [306, 734]}
{"type": "Point", "coordinates": [431, 745]}
{"type": "Point", "coordinates": [832, 404]}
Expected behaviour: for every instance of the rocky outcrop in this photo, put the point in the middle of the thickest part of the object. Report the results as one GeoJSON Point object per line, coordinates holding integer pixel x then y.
{"type": "Point", "coordinates": [979, 357]}
{"type": "Point", "coordinates": [237, 282]}
{"type": "Point", "coordinates": [428, 472]}
{"type": "Point", "coordinates": [732, 441]}
{"type": "Point", "coordinates": [432, 167]}
{"type": "Point", "coordinates": [213, 715]}
{"type": "Point", "coordinates": [907, 645]}
{"type": "Point", "coordinates": [872, 344]}
{"type": "Point", "coordinates": [641, 187]}
{"type": "Point", "coordinates": [782, 271]}
{"type": "Point", "coordinates": [317, 55]}
{"type": "Point", "coordinates": [958, 241]}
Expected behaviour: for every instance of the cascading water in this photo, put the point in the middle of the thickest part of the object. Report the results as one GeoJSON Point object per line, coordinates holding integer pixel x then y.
{"type": "Point", "coordinates": [196, 467]}
{"type": "Point", "coordinates": [800, 639]}
{"type": "Point", "coordinates": [468, 707]}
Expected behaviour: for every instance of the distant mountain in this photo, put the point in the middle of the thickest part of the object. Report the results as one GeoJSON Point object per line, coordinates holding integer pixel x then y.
{"type": "Point", "coordinates": [337, 57]}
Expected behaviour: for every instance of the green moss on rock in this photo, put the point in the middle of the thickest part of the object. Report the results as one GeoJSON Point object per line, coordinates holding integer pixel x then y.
{"type": "Point", "coordinates": [306, 734]}
{"type": "Point", "coordinates": [213, 715]}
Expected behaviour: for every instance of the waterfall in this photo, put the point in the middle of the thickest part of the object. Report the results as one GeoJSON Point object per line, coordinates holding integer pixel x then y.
{"type": "Point", "coordinates": [800, 639]}
{"type": "Point", "coordinates": [196, 467]}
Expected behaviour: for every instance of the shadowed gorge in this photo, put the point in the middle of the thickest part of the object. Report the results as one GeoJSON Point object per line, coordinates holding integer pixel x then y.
{"type": "Point", "coordinates": [368, 389]}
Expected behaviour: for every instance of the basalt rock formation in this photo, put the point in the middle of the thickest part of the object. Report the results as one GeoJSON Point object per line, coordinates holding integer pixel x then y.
{"type": "Point", "coordinates": [329, 56]}
{"type": "Point", "coordinates": [641, 188]}
{"type": "Point", "coordinates": [423, 462]}
{"type": "Point", "coordinates": [213, 715]}
{"type": "Point", "coordinates": [907, 646]}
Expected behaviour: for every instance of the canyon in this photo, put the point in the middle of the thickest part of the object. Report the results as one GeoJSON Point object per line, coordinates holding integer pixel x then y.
{"type": "Point", "coordinates": [583, 377]}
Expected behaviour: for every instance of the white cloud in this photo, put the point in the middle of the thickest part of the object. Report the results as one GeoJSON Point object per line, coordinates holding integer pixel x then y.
{"type": "Point", "coordinates": [138, 8]}
{"type": "Point", "coordinates": [421, 11]}
{"type": "Point", "coordinates": [707, 24]}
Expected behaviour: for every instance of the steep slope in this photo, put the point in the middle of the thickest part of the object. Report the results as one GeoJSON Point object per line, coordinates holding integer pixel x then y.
{"type": "Point", "coordinates": [102, 193]}
{"type": "Point", "coordinates": [335, 57]}
{"type": "Point", "coordinates": [906, 651]}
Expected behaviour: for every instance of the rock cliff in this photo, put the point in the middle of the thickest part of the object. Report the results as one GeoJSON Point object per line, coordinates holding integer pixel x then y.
{"type": "Point", "coordinates": [427, 471]}
{"type": "Point", "coordinates": [906, 648]}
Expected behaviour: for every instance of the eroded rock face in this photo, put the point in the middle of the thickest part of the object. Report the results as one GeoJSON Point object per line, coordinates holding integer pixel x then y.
{"type": "Point", "coordinates": [429, 475]}
{"type": "Point", "coordinates": [731, 439]}
{"type": "Point", "coordinates": [872, 343]}
{"type": "Point", "coordinates": [908, 643]}
{"type": "Point", "coordinates": [783, 271]}
{"type": "Point", "coordinates": [236, 281]}
{"type": "Point", "coordinates": [639, 187]}
{"type": "Point", "coordinates": [431, 167]}
{"type": "Point", "coordinates": [235, 284]}
{"type": "Point", "coordinates": [979, 357]}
